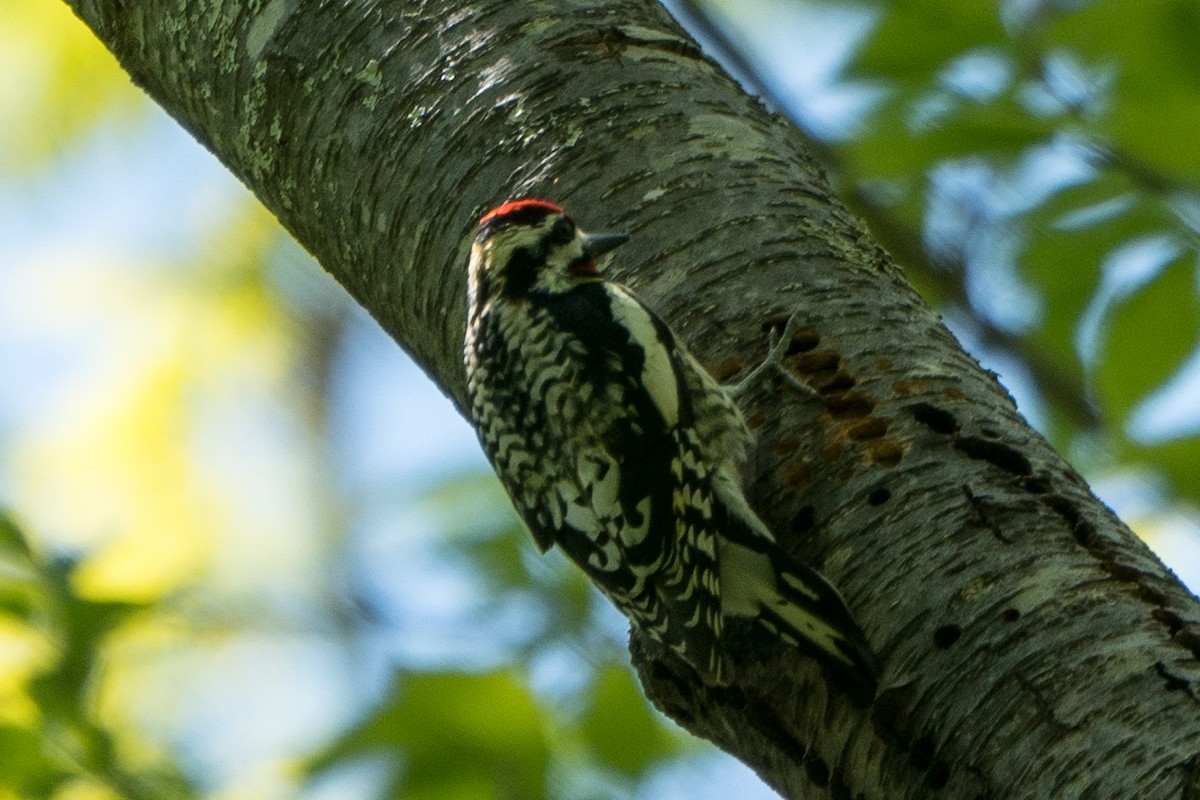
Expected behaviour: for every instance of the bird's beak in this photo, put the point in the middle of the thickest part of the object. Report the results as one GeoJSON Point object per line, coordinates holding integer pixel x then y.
{"type": "Point", "coordinates": [597, 244]}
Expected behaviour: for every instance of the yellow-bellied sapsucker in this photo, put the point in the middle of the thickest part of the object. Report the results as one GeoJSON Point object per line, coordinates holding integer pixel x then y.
{"type": "Point", "coordinates": [616, 445]}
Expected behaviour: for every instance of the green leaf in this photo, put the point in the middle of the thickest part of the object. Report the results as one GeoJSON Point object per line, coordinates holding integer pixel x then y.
{"type": "Point", "coordinates": [1158, 129]}
{"type": "Point", "coordinates": [1179, 461]}
{"type": "Point", "coordinates": [460, 735]}
{"type": "Point", "coordinates": [24, 768]}
{"type": "Point", "coordinates": [12, 538]}
{"type": "Point", "coordinates": [82, 627]}
{"type": "Point", "coordinates": [916, 38]}
{"type": "Point", "coordinates": [996, 129]}
{"type": "Point", "coordinates": [1148, 337]}
{"type": "Point", "coordinates": [1151, 40]}
{"type": "Point", "coordinates": [999, 127]}
{"type": "Point", "coordinates": [1153, 113]}
{"type": "Point", "coordinates": [1065, 253]}
{"type": "Point", "coordinates": [620, 727]}
{"type": "Point", "coordinates": [21, 585]}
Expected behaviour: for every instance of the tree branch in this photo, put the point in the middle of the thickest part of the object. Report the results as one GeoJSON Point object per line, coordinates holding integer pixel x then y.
{"type": "Point", "coordinates": [1032, 646]}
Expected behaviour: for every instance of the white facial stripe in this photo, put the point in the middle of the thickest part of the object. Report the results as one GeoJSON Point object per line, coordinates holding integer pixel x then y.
{"type": "Point", "coordinates": [658, 374]}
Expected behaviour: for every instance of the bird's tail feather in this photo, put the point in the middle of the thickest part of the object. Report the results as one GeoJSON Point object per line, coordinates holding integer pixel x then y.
{"type": "Point", "coordinates": [797, 605]}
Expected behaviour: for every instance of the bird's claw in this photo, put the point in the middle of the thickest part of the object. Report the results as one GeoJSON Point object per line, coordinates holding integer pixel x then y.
{"type": "Point", "coordinates": [776, 351]}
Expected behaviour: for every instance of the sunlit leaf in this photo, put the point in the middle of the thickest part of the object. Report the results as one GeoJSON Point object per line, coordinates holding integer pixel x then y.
{"type": "Point", "coordinates": [26, 767]}
{"type": "Point", "coordinates": [57, 82]}
{"type": "Point", "coordinates": [11, 538]}
{"type": "Point", "coordinates": [51, 742]}
{"type": "Point", "coordinates": [20, 589]}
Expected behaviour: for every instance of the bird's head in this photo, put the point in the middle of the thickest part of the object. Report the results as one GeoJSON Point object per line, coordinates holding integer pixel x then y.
{"type": "Point", "coordinates": [531, 246]}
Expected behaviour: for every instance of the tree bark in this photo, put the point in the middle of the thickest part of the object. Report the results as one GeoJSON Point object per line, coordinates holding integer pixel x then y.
{"type": "Point", "coordinates": [1032, 646]}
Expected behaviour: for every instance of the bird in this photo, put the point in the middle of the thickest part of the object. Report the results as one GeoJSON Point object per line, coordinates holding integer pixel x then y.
{"type": "Point", "coordinates": [616, 445]}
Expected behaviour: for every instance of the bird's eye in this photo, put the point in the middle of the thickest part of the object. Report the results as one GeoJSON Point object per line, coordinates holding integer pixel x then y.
{"type": "Point", "coordinates": [562, 232]}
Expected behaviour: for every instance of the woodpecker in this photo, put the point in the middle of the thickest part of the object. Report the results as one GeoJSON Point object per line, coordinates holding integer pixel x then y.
{"type": "Point", "coordinates": [615, 444]}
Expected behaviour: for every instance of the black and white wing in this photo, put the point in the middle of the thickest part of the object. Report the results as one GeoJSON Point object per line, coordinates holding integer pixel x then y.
{"type": "Point", "coordinates": [636, 514]}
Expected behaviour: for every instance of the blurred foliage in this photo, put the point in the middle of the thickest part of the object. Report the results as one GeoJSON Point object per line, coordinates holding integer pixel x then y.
{"type": "Point", "coordinates": [1032, 165]}
{"type": "Point", "coordinates": [1040, 152]}
{"type": "Point", "coordinates": [122, 450]}
{"type": "Point", "coordinates": [496, 549]}
{"type": "Point", "coordinates": [460, 736]}
{"type": "Point", "coordinates": [52, 742]}
{"type": "Point", "coordinates": [486, 734]}
{"type": "Point", "coordinates": [1108, 89]}
{"type": "Point", "coordinates": [57, 82]}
